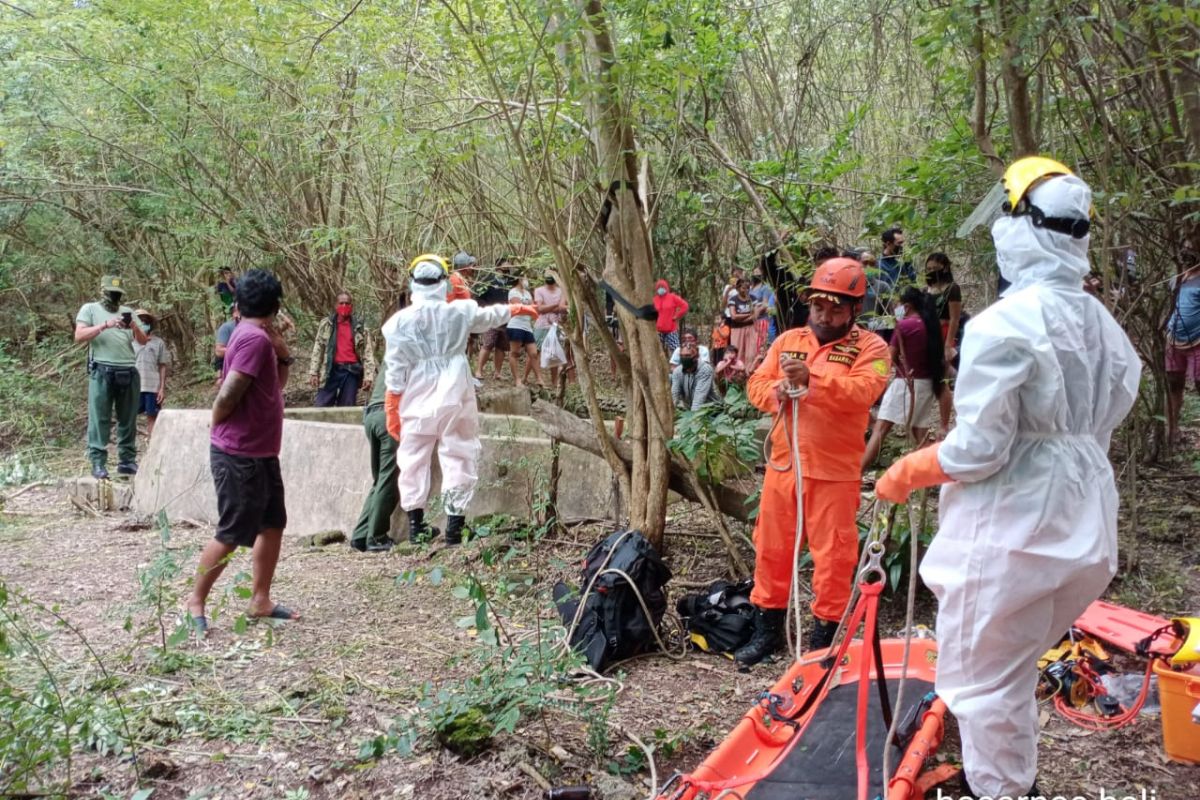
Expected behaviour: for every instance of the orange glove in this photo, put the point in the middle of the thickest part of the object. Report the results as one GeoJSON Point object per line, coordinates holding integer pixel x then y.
{"type": "Point", "coordinates": [518, 310]}
{"type": "Point", "coordinates": [391, 410]}
{"type": "Point", "coordinates": [916, 470]}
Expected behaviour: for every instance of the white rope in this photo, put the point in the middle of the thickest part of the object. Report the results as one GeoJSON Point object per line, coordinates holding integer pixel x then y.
{"type": "Point", "coordinates": [794, 630]}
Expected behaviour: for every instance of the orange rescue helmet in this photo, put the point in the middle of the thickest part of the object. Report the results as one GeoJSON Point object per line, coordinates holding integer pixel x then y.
{"type": "Point", "coordinates": [838, 279]}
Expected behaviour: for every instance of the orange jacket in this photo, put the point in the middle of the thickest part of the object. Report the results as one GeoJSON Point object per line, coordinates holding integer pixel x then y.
{"type": "Point", "coordinates": [846, 378]}
{"type": "Point", "coordinates": [458, 288]}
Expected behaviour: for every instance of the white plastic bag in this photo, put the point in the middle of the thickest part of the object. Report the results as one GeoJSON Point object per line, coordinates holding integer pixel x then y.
{"type": "Point", "coordinates": [553, 354]}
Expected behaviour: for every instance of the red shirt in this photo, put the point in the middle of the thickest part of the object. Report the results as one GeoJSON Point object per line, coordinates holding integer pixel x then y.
{"type": "Point", "coordinates": [344, 354]}
{"type": "Point", "coordinates": [912, 336]}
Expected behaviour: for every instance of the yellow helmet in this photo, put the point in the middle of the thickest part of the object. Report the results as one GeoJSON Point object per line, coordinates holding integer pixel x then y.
{"type": "Point", "coordinates": [1024, 173]}
{"type": "Point", "coordinates": [432, 258]}
{"type": "Point", "coordinates": [1187, 630]}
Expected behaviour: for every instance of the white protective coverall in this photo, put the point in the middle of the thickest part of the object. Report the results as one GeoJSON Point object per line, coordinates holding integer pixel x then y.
{"type": "Point", "coordinates": [426, 361]}
{"type": "Point", "coordinates": [1028, 532]}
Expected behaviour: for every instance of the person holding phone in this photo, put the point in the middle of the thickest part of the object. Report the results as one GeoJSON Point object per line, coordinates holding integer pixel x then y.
{"type": "Point", "coordinates": [110, 330]}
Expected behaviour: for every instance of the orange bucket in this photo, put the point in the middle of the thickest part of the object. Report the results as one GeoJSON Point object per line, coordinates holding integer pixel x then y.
{"type": "Point", "coordinates": [1179, 693]}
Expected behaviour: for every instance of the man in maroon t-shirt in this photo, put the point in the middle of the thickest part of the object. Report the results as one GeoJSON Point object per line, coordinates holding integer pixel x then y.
{"type": "Point", "coordinates": [247, 426]}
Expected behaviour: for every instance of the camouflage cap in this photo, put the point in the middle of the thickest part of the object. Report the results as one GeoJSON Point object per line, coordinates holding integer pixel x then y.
{"type": "Point", "coordinates": [112, 283]}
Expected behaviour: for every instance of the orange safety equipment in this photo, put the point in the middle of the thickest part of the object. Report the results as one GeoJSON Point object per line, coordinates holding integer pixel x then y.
{"type": "Point", "coordinates": [391, 412]}
{"type": "Point", "coordinates": [831, 533]}
{"type": "Point", "coordinates": [917, 470]}
{"type": "Point", "coordinates": [521, 310]}
{"type": "Point", "coordinates": [845, 378]}
{"type": "Point", "coordinates": [838, 279]}
{"type": "Point", "coordinates": [458, 288]}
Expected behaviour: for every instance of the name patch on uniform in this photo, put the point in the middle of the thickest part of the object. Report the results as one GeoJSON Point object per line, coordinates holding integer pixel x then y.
{"type": "Point", "coordinates": [848, 349]}
{"type": "Point", "coordinates": [793, 354]}
{"type": "Point", "coordinates": [840, 358]}
{"type": "Point", "coordinates": [880, 366]}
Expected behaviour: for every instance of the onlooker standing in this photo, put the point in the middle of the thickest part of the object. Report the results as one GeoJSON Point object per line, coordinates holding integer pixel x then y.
{"type": "Point", "coordinates": [764, 309]}
{"type": "Point", "coordinates": [247, 426]}
{"type": "Point", "coordinates": [692, 385]}
{"type": "Point", "coordinates": [221, 340]}
{"type": "Point", "coordinates": [520, 337]}
{"type": "Point", "coordinates": [153, 359]}
{"type": "Point", "coordinates": [740, 312]}
{"type": "Point", "coordinates": [947, 296]}
{"type": "Point", "coordinates": [1183, 341]}
{"type": "Point", "coordinates": [918, 357]}
{"type": "Point", "coordinates": [344, 354]}
{"type": "Point", "coordinates": [891, 269]}
{"type": "Point", "coordinates": [226, 289]}
{"type": "Point", "coordinates": [720, 336]}
{"type": "Point", "coordinates": [551, 306]}
{"type": "Point", "coordinates": [375, 521]}
{"type": "Point", "coordinates": [671, 308]}
{"type": "Point", "coordinates": [494, 293]}
{"type": "Point", "coordinates": [460, 279]}
{"type": "Point", "coordinates": [110, 330]}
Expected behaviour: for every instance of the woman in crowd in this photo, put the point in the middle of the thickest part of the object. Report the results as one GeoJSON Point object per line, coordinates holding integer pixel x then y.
{"type": "Point", "coordinates": [520, 337]}
{"type": "Point", "coordinates": [917, 386]}
{"type": "Point", "coordinates": [741, 313]}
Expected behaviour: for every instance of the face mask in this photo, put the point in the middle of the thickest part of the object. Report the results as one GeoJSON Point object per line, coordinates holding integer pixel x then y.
{"type": "Point", "coordinates": [901, 311]}
{"type": "Point", "coordinates": [524, 283]}
{"type": "Point", "coordinates": [899, 249]}
{"type": "Point", "coordinates": [756, 280]}
{"type": "Point", "coordinates": [687, 362]}
{"type": "Point", "coordinates": [344, 309]}
{"type": "Point", "coordinates": [112, 300]}
{"type": "Point", "coordinates": [660, 291]}
{"type": "Point", "coordinates": [938, 276]}
{"type": "Point", "coordinates": [549, 281]}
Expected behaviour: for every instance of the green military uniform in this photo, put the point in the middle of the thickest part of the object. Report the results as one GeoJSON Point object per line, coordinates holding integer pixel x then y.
{"type": "Point", "coordinates": [375, 521]}
{"type": "Point", "coordinates": [113, 383]}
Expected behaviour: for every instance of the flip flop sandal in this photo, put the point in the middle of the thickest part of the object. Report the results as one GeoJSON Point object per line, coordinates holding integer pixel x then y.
{"type": "Point", "coordinates": [199, 624]}
{"type": "Point", "coordinates": [279, 612]}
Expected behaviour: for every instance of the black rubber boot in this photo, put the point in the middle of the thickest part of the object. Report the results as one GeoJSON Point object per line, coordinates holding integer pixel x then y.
{"type": "Point", "coordinates": [381, 546]}
{"type": "Point", "coordinates": [822, 634]}
{"type": "Point", "coordinates": [768, 630]}
{"type": "Point", "coordinates": [127, 468]}
{"type": "Point", "coordinates": [455, 523]}
{"type": "Point", "coordinates": [359, 544]}
{"type": "Point", "coordinates": [418, 531]}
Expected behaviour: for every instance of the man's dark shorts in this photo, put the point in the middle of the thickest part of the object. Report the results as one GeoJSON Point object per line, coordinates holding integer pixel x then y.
{"type": "Point", "coordinates": [148, 404]}
{"type": "Point", "coordinates": [249, 496]}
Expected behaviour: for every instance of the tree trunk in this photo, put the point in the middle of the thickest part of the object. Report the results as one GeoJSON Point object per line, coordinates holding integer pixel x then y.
{"type": "Point", "coordinates": [570, 429]}
{"type": "Point", "coordinates": [629, 267]}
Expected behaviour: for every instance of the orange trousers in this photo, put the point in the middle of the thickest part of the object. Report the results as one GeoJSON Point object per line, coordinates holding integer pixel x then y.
{"type": "Point", "coordinates": [830, 533]}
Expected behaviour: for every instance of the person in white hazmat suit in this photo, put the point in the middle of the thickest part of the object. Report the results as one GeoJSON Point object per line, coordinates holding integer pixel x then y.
{"type": "Point", "coordinates": [1027, 535]}
{"type": "Point", "coordinates": [430, 401]}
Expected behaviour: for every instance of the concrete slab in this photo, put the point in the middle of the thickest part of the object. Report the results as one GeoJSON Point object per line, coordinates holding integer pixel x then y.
{"type": "Point", "coordinates": [86, 492]}
{"type": "Point", "coordinates": [326, 472]}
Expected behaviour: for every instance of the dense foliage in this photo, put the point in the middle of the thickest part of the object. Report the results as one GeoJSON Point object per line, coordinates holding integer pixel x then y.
{"type": "Point", "coordinates": [330, 140]}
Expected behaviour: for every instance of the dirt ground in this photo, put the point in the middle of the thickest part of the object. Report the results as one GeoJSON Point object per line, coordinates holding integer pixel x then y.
{"type": "Point", "coordinates": [282, 710]}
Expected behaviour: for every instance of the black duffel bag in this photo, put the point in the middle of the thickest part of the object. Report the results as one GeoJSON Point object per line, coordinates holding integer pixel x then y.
{"type": "Point", "coordinates": [721, 618]}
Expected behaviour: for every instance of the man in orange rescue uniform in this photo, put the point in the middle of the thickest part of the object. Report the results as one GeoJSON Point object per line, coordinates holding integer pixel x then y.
{"type": "Point", "coordinates": [833, 371]}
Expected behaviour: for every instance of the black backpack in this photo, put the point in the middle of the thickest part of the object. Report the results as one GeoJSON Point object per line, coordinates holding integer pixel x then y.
{"type": "Point", "coordinates": [612, 625]}
{"type": "Point", "coordinates": [721, 618]}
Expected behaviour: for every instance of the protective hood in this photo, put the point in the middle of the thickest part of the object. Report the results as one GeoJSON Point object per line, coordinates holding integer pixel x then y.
{"type": "Point", "coordinates": [423, 294]}
{"type": "Point", "coordinates": [661, 283]}
{"type": "Point", "coordinates": [1029, 255]}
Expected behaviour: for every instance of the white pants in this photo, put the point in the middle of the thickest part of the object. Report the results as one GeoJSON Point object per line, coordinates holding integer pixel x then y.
{"type": "Point", "coordinates": [456, 439]}
{"type": "Point", "coordinates": [1004, 598]}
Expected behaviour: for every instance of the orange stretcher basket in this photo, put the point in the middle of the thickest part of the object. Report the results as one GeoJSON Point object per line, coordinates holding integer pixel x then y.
{"type": "Point", "coordinates": [799, 739]}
